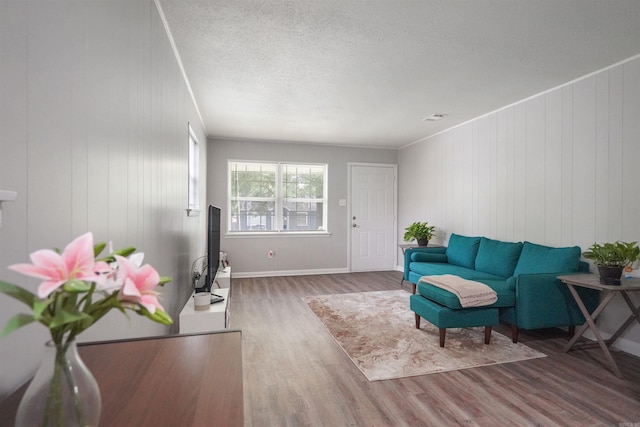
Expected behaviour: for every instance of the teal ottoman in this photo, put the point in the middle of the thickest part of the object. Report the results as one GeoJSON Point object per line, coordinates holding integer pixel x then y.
{"type": "Point", "coordinates": [445, 317]}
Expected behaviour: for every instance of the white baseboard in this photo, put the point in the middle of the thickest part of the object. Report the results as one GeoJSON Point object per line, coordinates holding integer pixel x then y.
{"type": "Point", "coordinates": [289, 273]}
{"type": "Point", "coordinates": [627, 346]}
{"type": "Point", "coordinates": [621, 343]}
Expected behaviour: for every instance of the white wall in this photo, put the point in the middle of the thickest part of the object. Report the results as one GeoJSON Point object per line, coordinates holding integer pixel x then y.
{"type": "Point", "coordinates": [560, 169]}
{"type": "Point", "coordinates": [299, 254]}
{"type": "Point", "coordinates": [93, 137]}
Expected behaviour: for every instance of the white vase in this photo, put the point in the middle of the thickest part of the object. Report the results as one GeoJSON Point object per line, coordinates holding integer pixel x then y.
{"type": "Point", "coordinates": [62, 393]}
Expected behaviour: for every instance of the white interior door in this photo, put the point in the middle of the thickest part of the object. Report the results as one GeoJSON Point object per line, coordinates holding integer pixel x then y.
{"type": "Point", "coordinates": [372, 217]}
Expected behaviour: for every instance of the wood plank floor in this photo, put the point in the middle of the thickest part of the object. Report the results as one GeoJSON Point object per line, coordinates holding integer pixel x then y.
{"type": "Point", "coordinates": [295, 374]}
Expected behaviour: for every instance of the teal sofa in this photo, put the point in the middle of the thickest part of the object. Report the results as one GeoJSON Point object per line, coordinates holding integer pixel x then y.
{"type": "Point", "coordinates": [523, 274]}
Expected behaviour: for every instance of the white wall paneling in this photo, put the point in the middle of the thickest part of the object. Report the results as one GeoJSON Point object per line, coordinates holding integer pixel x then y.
{"type": "Point", "coordinates": [535, 167]}
{"type": "Point", "coordinates": [584, 161]}
{"type": "Point", "coordinates": [552, 191]}
{"type": "Point", "coordinates": [520, 170]}
{"type": "Point", "coordinates": [614, 153]}
{"type": "Point", "coordinates": [631, 151]}
{"type": "Point", "coordinates": [560, 168]}
{"type": "Point", "coordinates": [93, 137]}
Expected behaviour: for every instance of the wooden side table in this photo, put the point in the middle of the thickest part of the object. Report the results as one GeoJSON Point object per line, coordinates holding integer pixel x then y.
{"type": "Point", "coordinates": [404, 246]}
{"type": "Point", "coordinates": [177, 380]}
{"type": "Point", "coordinates": [592, 281]}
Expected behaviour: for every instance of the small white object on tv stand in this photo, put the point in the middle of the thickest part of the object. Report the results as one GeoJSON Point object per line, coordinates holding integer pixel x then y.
{"type": "Point", "coordinates": [212, 320]}
{"type": "Point", "coordinates": [223, 278]}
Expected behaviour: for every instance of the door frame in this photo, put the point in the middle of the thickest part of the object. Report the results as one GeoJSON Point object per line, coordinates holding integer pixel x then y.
{"type": "Point", "coordinates": [350, 166]}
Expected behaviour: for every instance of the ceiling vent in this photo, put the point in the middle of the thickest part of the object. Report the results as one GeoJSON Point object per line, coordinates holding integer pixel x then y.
{"type": "Point", "coordinates": [434, 117]}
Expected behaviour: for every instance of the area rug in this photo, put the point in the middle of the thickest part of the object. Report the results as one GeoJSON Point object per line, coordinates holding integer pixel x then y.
{"type": "Point", "coordinates": [377, 331]}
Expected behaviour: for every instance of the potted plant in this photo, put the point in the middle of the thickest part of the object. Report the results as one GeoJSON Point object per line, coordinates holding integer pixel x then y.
{"type": "Point", "coordinates": [420, 231]}
{"type": "Point", "coordinates": [612, 258]}
{"type": "Point", "coordinates": [78, 288]}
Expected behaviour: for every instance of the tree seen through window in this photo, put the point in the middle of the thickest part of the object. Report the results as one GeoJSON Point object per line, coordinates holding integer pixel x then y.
{"type": "Point", "coordinates": [277, 197]}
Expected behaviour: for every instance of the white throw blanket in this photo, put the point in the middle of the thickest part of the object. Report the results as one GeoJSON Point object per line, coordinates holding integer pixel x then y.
{"type": "Point", "coordinates": [470, 293]}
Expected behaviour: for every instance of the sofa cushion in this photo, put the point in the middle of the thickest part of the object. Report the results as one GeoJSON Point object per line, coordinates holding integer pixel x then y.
{"type": "Point", "coordinates": [438, 268]}
{"type": "Point", "coordinates": [506, 296]}
{"type": "Point", "coordinates": [496, 257]}
{"type": "Point", "coordinates": [462, 250]}
{"type": "Point", "coordinates": [505, 290]}
{"type": "Point", "coordinates": [545, 259]}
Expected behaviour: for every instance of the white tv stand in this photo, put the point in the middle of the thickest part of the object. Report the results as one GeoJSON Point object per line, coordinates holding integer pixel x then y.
{"type": "Point", "coordinates": [223, 278]}
{"type": "Point", "coordinates": [214, 319]}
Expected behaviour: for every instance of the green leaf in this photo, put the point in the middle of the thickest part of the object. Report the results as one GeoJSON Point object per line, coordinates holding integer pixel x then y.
{"type": "Point", "coordinates": [125, 252]}
{"type": "Point", "coordinates": [65, 317]}
{"type": "Point", "coordinates": [98, 248]}
{"type": "Point", "coordinates": [40, 307]}
{"type": "Point", "coordinates": [159, 316]}
{"type": "Point", "coordinates": [18, 293]}
{"type": "Point", "coordinates": [85, 322]}
{"type": "Point", "coordinates": [17, 321]}
{"type": "Point", "coordinates": [102, 307]}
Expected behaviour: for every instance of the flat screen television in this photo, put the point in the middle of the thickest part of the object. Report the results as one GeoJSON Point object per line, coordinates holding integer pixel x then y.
{"type": "Point", "coordinates": [213, 246]}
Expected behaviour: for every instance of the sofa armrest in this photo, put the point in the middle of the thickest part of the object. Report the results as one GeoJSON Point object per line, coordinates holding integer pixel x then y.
{"type": "Point", "coordinates": [430, 254]}
{"type": "Point", "coordinates": [543, 301]}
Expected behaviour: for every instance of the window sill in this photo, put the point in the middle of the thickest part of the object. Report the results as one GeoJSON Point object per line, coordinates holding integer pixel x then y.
{"type": "Point", "coordinates": [254, 234]}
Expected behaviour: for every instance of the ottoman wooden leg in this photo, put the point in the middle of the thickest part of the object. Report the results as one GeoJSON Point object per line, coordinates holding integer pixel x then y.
{"type": "Point", "coordinates": [514, 333]}
{"type": "Point", "coordinates": [443, 333]}
{"type": "Point", "coordinates": [487, 334]}
{"type": "Point", "coordinates": [417, 321]}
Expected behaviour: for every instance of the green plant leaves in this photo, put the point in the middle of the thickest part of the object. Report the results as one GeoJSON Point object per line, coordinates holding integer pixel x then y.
{"type": "Point", "coordinates": [124, 252]}
{"type": "Point", "coordinates": [18, 293]}
{"type": "Point", "coordinates": [617, 253]}
{"type": "Point", "coordinates": [159, 316]}
{"type": "Point", "coordinates": [98, 248]}
{"type": "Point", "coordinates": [418, 230]}
{"type": "Point", "coordinates": [17, 321]}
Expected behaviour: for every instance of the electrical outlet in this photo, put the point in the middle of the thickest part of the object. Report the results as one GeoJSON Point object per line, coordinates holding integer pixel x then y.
{"type": "Point", "coordinates": [270, 254]}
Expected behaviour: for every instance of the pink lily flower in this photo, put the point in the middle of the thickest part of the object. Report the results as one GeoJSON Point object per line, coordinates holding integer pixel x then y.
{"type": "Point", "coordinates": [76, 262]}
{"type": "Point", "coordinates": [138, 284]}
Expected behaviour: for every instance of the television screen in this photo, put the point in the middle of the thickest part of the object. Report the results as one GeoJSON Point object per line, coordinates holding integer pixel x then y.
{"type": "Point", "coordinates": [213, 245]}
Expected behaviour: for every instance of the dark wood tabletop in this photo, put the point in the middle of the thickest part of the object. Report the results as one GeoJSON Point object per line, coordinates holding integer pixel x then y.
{"type": "Point", "coordinates": [185, 380]}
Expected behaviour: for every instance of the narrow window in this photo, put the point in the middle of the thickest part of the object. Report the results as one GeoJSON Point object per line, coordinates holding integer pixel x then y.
{"type": "Point", "coordinates": [193, 208]}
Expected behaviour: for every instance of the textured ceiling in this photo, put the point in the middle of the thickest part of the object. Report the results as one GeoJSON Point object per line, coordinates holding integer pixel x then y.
{"type": "Point", "coordinates": [366, 72]}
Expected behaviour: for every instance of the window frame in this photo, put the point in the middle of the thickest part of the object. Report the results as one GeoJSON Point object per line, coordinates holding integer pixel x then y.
{"type": "Point", "coordinates": [193, 173]}
{"type": "Point", "coordinates": [279, 200]}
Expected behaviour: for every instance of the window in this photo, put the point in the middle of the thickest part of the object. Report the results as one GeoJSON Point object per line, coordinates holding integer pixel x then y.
{"type": "Point", "coordinates": [194, 175]}
{"type": "Point", "coordinates": [268, 197]}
